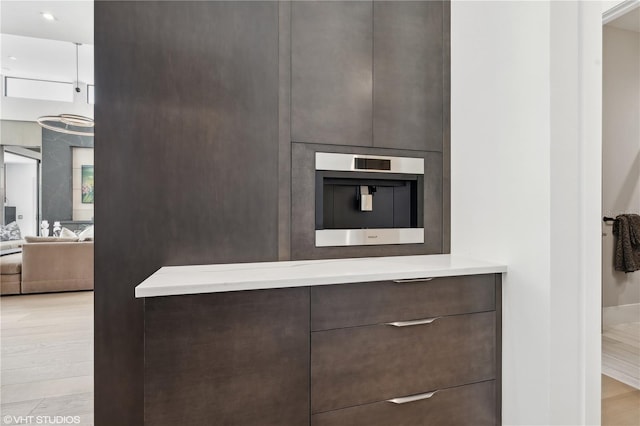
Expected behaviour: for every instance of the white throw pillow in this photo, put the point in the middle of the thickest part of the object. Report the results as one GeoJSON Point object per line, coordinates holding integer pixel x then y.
{"type": "Point", "coordinates": [10, 232]}
{"type": "Point", "coordinates": [67, 233]}
{"type": "Point", "coordinates": [86, 234]}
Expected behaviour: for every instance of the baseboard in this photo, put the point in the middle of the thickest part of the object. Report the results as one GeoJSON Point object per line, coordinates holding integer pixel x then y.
{"type": "Point", "coordinates": [614, 315]}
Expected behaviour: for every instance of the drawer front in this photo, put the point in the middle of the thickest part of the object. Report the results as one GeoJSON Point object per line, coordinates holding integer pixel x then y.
{"type": "Point", "coordinates": [362, 365]}
{"type": "Point", "coordinates": [349, 305]}
{"type": "Point", "coordinates": [473, 405]}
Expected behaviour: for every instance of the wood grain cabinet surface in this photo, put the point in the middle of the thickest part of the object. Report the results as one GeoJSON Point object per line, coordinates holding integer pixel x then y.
{"type": "Point", "coordinates": [361, 365]}
{"type": "Point", "coordinates": [470, 405]}
{"type": "Point", "coordinates": [331, 72]}
{"type": "Point", "coordinates": [253, 357]}
{"type": "Point", "coordinates": [338, 306]}
{"type": "Point", "coordinates": [408, 80]}
{"type": "Point", "coordinates": [239, 358]}
{"type": "Point", "coordinates": [366, 349]}
{"type": "Point", "coordinates": [368, 73]}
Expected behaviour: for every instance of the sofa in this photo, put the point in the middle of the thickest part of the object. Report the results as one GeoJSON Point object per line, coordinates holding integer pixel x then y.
{"type": "Point", "coordinates": [12, 244]}
{"type": "Point", "coordinates": [11, 274]}
{"type": "Point", "coordinates": [48, 267]}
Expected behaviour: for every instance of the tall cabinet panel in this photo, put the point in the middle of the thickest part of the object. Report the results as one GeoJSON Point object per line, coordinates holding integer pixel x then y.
{"type": "Point", "coordinates": [408, 75]}
{"type": "Point", "coordinates": [186, 160]}
{"type": "Point", "coordinates": [331, 72]}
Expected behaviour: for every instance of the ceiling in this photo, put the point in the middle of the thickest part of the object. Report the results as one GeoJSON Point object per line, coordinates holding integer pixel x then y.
{"type": "Point", "coordinates": [629, 21]}
{"type": "Point", "coordinates": [44, 59]}
{"type": "Point", "coordinates": [74, 19]}
{"type": "Point", "coordinates": [33, 47]}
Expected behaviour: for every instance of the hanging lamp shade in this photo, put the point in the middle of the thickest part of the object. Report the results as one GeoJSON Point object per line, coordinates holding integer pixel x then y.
{"type": "Point", "coordinates": [70, 124]}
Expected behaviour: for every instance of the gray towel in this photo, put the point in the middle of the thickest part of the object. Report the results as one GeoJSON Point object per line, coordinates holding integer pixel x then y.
{"type": "Point", "coordinates": [627, 229]}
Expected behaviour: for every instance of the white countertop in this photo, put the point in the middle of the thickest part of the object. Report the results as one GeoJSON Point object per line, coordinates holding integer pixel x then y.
{"type": "Point", "coordinates": [177, 280]}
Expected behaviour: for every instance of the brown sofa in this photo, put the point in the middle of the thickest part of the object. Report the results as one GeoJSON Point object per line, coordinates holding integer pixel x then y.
{"type": "Point", "coordinates": [10, 269]}
{"type": "Point", "coordinates": [57, 266]}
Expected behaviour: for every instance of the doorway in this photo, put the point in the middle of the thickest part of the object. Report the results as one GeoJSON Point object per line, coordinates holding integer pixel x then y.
{"type": "Point", "coordinates": [22, 176]}
{"type": "Point", "coordinates": [620, 195]}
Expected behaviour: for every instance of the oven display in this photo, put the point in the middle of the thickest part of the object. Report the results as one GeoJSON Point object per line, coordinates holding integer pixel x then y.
{"type": "Point", "coordinates": [372, 164]}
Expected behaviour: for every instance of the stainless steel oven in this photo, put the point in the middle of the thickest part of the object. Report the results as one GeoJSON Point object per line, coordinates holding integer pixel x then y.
{"type": "Point", "coordinates": [368, 200]}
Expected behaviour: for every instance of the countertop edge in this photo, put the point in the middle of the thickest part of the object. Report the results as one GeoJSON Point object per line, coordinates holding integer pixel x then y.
{"type": "Point", "coordinates": [144, 291]}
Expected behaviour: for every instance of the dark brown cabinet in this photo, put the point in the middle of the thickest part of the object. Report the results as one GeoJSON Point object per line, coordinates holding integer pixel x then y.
{"type": "Point", "coordinates": [368, 73]}
{"type": "Point", "coordinates": [408, 75]}
{"type": "Point", "coordinates": [331, 73]}
{"type": "Point", "coordinates": [416, 352]}
{"type": "Point", "coordinates": [239, 358]}
{"type": "Point", "coordinates": [376, 354]}
{"type": "Point", "coordinates": [189, 94]}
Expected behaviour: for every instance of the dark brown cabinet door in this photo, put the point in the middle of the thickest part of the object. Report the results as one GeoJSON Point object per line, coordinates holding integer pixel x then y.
{"type": "Point", "coordinates": [239, 358]}
{"type": "Point", "coordinates": [331, 72]}
{"type": "Point", "coordinates": [408, 75]}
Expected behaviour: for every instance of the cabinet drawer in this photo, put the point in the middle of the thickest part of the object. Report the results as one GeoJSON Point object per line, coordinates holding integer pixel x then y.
{"type": "Point", "coordinates": [473, 405]}
{"type": "Point", "coordinates": [361, 365]}
{"type": "Point", "coordinates": [349, 305]}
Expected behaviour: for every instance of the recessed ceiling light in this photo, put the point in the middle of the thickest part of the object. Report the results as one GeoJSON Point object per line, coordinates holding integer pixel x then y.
{"type": "Point", "coordinates": [13, 58]}
{"type": "Point", "coordinates": [48, 16]}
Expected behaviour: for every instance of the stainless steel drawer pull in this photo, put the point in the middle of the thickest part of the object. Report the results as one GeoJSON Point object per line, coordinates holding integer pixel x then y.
{"type": "Point", "coordinates": [412, 398]}
{"type": "Point", "coordinates": [413, 280]}
{"type": "Point", "coordinates": [414, 322]}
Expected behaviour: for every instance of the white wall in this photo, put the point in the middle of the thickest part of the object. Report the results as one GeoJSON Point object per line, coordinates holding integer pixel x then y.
{"type": "Point", "coordinates": [45, 59]}
{"type": "Point", "coordinates": [21, 192]}
{"type": "Point", "coordinates": [20, 133]}
{"type": "Point", "coordinates": [620, 153]}
{"type": "Point", "coordinates": [525, 149]}
{"type": "Point", "coordinates": [20, 109]}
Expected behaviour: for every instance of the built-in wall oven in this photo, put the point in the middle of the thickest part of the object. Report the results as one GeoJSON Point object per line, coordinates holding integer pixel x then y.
{"type": "Point", "coordinates": [368, 200]}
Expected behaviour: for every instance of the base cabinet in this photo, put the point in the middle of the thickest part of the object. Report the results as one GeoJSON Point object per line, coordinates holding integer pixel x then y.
{"type": "Point", "coordinates": [407, 352]}
{"type": "Point", "coordinates": [365, 354]}
{"type": "Point", "coordinates": [239, 358]}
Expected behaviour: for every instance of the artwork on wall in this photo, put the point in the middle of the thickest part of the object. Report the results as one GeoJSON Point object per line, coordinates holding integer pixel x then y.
{"type": "Point", "coordinates": [87, 184]}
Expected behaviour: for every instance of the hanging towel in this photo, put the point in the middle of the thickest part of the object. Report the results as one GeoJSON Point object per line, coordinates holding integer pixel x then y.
{"type": "Point", "coordinates": [627, 229]}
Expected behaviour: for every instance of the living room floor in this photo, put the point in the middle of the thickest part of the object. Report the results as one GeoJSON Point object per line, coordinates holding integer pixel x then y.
{"type": "Point", "coordinates": [47, 361]}
{"type": "Point", "coordinates": [47, 356]}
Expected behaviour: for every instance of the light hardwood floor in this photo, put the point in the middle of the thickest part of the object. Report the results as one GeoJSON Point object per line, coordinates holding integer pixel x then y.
{"type": "Point", "coordinates": [621, 352]}
{"type": "Point", "coordinates": [46, 363]}
{"type": "Point", "coordinates": [621, 366]}
{"type": "Point", "coordinates": [620, 403]}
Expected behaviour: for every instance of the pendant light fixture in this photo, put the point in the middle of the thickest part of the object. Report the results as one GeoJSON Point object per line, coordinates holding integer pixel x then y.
{"type": "Point", "coordinates": [70, 124]}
